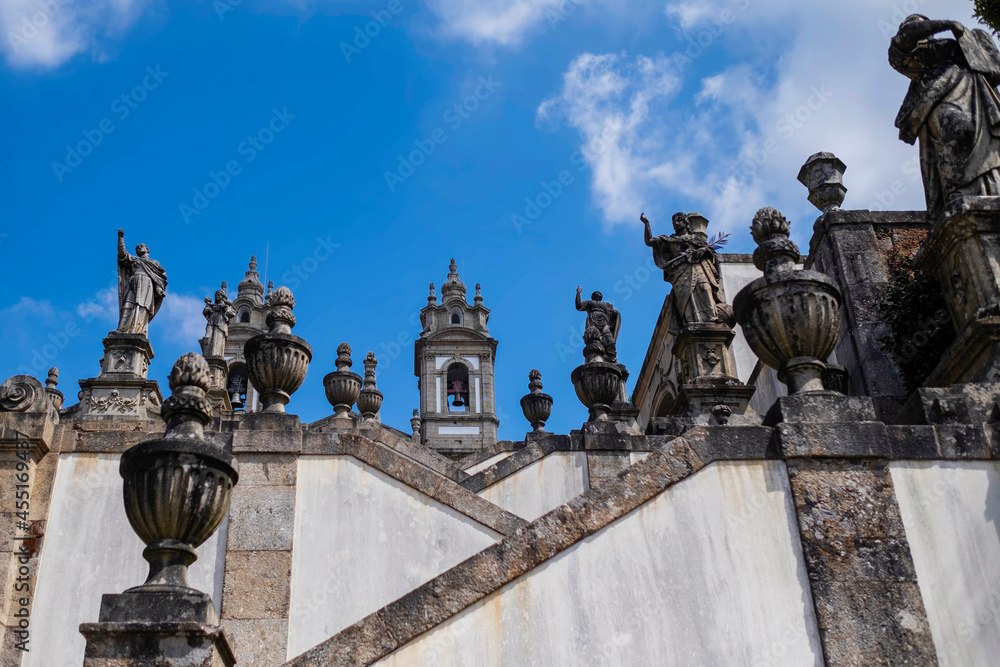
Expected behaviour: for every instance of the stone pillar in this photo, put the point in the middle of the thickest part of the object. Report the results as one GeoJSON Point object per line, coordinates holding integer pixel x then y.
{"type": "Point", "coordinates": [27, 426]}
{"type": "Point", "coordinates": [861, 574]}
{"type": "Point", "coordinates": [257, 586]}
{"type": "Point", "coordinates": [712, 392]}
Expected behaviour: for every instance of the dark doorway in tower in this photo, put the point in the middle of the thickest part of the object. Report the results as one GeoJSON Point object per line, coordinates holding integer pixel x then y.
{"type": "Point", "coordinates": [458, 388]}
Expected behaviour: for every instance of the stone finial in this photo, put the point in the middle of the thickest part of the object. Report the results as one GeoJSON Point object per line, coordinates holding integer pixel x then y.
{"type": "Point", "coordinates": [270, 286]}
{"type": "Point", "coordinates": [790, 316]}
{"type": "Point", "coordinates": [343, 387]}
{"type": "Point", "coordinates": [344, 361]}
{"type": "Point", "coordinates": [415, 424]}
{"type": "Point", "coordinates": [280, 319]}
{"type": "Point", "coordinates": [370, 398]}
{"type": "Point", "coordinates": [188, 409]}
{"type": "Point", "coordinates": [478, 300]}
{"type": "Point", "coordinates": [535, 381]}
{"type": "Point", "coordinates": [251, 286]}
{"type": "Point", "coordinates": [453, 285]}
{"type": "Point", "coordinates": [823, 174]}
{"type": "Point", "coordinates": [432, 297]}
{"type": "Point", "coordinates": [775, 252]}
{"type": "Point", "coordinates": [536, 406]}
{"type": "Point", "coordinates": [370, 363]}
{"type": "Point", "coordinates": [52, 381]}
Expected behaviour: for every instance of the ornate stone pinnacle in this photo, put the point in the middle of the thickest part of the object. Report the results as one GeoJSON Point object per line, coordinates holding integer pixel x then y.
{"type": "Point", "coordinates": [453, 267]}
{"type": "Point", "coordinates": [189, 409]}
{"type": "Point", "coordinates": [823, 174]}
{"type": "Point", "coordinates": [535, 381]}
{"type": "Point", "coordinates": [253, 262]}
{"type": "Point", "coordinates": [370, 363]}
{"type": "Point", "coordinates": [52, 381]}
{"type": "Point", "coordinates": [775, 252]}
{"type": "Point", "coordinates": [479, 295]}
{"type": "Point", "coordinates": [344, 361]}
{"type": "Point", "coordinates": [270, 286]}
{"type": "Point", "coordinates": [280, 319]}
{"type": "Point", "coordinates": [432, 297]}
{"type": "Point", "coordinates": [224, 287]}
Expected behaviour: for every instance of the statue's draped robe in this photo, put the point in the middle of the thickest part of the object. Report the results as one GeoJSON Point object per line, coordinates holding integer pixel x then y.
{"type": "Point", "coordinates": [217, 331]}
{"type": "Point", "coordinates": [689, 266]}
{"type": "Point", "coordinates": [953, 108]}
{"type": "Point", "coordinates": [142, 283]}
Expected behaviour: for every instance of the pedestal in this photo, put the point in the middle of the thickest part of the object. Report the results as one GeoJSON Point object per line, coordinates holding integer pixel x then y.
{"type": "Point", "coordinates": [162, 628]}
{"type": "Point", "coordinates": [963, 252]}
{"type": "Point", "coordinates": [122, 389]}
{"type": "Point", "coordinates": [218, 371]}
{"type": "Point", "coordinates": [711, 392]}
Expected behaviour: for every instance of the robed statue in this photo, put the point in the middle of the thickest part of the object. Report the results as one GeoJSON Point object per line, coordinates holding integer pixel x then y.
{"type": "Point", "coordinates": [142, 284]}
{"type": "Point", "coordinates": [600, 335]}
{"type": "Point", "coordinates": [218, 315]}
{"type": "Point", "coordinates": [952, 107]}
{"type": "Point", "coordinates": [688, 262]}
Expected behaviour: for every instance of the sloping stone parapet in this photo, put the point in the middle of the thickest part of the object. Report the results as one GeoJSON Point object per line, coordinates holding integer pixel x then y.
{"type": "Point", "coordinates": [389, 628]}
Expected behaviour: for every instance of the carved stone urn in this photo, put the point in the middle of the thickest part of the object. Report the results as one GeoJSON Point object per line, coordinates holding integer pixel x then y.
{"type": "Point", "coordinates": [790, 317]}
{"type": "Point", "coordinates": [536, 406]}
{"type": "Point", "coordinates": [343, 387]}
{"type": "Point", "coordinates": [598, 385]}
{"type": "Point", "coordinates": [277, 361]}
{"type": "Point", "coordinates": [370, 398]}
{"type": "Point", "coordinates": [823, 176]}
{"type": "Point", "coordinates": [177, 488]}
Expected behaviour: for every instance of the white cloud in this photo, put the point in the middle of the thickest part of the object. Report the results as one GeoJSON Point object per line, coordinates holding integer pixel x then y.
{"type": "Point", "coordinates": [180, 318]}
{"type": "Point", "coordinates": [44, 34]}
{"type": "Point", "coordinates": [608, 99]}
{"type": "Point", "coordinates": [503, 22]}
{"type": "Point", "coordinates": [689, 14]}
{"type": "Point", "coordinates": [738, 142]}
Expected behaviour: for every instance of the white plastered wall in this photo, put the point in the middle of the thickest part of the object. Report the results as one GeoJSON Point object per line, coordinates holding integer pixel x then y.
{"type": "Point", "coordinates": [362, 540]}
{"type": "Point", "coordinates": [542, 486]}
{"type": "Point", "coordinates": [951, 513]}
{"type": "Point", "coordinates": [708, 573]}
{"type": "Point", "coordinates": [89, 550]}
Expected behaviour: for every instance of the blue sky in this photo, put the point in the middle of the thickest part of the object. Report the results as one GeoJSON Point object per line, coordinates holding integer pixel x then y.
{"type": "Point", "coordinates": [348, 147]}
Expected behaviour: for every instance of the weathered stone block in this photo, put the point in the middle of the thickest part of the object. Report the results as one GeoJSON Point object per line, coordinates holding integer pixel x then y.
{"type": "Point", "coordinates": [256, 584]}
{"type": "Point", "coordinates": [844, 439]}
{"type": "Point", "coordinates": [261, 518]}
{"type": "Point", "coordinates": [258, 642]}
{"type": "Point", "coordinates": [156, 645]}
{"type": "Point", "coordinates": [267, 470]}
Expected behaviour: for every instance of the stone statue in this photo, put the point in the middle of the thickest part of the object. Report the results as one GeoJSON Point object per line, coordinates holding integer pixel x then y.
{"type": "Point", "coordinates": [142, 284]}
{"type": "Point", "coordinates": [601, 332]}
{"type": "Point", "coordinates": [952, 107]}
{"type": "Point", "coordinates": [218, 315]}
{"type": "Point", "coordinates": [688, 263]}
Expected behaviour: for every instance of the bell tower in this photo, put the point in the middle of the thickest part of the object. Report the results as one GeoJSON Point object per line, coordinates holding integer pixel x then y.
{"type": "Point", "coordinates": [453, 359]}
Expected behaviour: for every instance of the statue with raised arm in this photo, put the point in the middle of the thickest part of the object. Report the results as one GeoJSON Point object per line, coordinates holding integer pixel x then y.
{"type": "Point", "coordinates": [142, 284]}
{"type": "Point", "coordinates": [218, 315]}
{"type": "Point", "coordinates": [952, 107]}
{"type": "Point", "coordinates": [600, 334]}
{"type": "Point", "coordinates": [688, 262]}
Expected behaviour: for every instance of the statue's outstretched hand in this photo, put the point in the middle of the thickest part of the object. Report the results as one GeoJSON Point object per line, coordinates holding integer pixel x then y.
{"type": "Point", "coordinates": [121, 233]}
{"type": "Point", "coordinates": [642, 217]}
{"type": "Point", "coordinates": [579, 290]}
